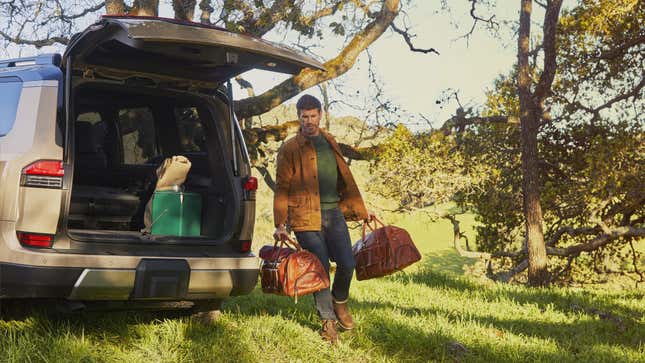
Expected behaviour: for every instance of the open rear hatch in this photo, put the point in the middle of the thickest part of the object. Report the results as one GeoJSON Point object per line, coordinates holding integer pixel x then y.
{"type": "Point", "coordinates": [164, 48]}
{"type": "Point", "coordinates": [173, 55]}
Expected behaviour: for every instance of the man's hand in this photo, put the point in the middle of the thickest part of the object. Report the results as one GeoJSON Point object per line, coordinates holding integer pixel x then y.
{"type": "Point", "coordinates": [281, 233]}
{"type": "Point", "coordinates": [370, 215]}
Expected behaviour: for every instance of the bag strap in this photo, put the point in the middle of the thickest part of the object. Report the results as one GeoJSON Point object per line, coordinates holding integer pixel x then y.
{"type": "Point", "coordinates": [293, 243]}
{"type": "Point", "coordinates": [366, 224]}
{"type": "Point", "coordinates": [288, 242]}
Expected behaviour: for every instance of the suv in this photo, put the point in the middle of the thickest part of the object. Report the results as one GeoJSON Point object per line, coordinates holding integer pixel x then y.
{"type": "Point", "coordinates": [81, 136]}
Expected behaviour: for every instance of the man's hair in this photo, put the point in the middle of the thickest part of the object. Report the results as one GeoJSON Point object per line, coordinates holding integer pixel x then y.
{"type": "Point", "coordinates": [308, 102]}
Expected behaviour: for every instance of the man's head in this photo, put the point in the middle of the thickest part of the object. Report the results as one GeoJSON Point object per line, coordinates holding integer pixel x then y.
{"type": "Point", "coordinates": [309, 114]}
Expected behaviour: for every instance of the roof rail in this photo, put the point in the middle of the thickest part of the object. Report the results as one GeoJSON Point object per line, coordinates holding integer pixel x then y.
{"type": "Point", "coordinates": [43, 59]}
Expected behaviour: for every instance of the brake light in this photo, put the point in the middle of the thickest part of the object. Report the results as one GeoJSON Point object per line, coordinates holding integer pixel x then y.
{"type": "Point", "coordinates": [38, 240]}
{"type": "Point", "coordinates": [43, 174]}
{"type": "Point", "coordinates": [251, 184]}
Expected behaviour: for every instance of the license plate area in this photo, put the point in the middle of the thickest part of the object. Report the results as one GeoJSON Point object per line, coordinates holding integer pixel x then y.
{"type": "Point", "coordinates": [163, 279]}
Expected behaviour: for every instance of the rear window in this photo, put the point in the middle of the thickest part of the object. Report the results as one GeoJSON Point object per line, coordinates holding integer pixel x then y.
{"type": "Point", "coordinates": [10, 89]}
{"type": "Point", "coordinates": [138, 136]}
{"type": "Point", "coordinates": [91, 117]}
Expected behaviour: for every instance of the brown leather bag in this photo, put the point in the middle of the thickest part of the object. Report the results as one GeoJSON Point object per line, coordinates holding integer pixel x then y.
{"type": "Point", "coordinates": [384, 251]}
{"type": "Point", "coordinates": [292, 272]}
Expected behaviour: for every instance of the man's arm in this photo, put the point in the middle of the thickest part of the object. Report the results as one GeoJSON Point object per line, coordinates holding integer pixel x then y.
{"type": "Point", "coordinates": [284, 173]}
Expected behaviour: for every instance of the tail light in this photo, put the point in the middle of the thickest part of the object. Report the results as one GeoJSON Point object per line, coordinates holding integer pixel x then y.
{"type": "Point", "coordinates": [251, 184]}
{"type": "Point", "coordinates": [43, 174]}
{"type": "Point", "coordinates": [38, 240]}
{"type": "Point", "coordinates": [250, 188]}
{"type": "Point", "coordinates": [245, 246]}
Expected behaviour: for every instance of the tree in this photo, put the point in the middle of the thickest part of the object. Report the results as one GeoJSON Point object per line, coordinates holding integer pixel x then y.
{"type": "Point", "coordinates": [532, 112]}
{"type": "Point", "coordinates": [590, 165]}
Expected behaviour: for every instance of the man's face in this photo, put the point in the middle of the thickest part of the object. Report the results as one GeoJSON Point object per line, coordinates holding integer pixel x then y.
{"type": "Point", "coordinates": [310, 122]}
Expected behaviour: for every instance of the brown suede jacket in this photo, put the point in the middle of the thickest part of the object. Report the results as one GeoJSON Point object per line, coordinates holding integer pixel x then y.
{"type": "Point", "coordinates": [297, 201]}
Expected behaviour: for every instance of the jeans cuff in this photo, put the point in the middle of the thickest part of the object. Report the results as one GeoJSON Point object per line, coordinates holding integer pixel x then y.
{"type": "Point", "coordinates": [330, 316]}
{"type": "Point", "coordinates": [340, 302]}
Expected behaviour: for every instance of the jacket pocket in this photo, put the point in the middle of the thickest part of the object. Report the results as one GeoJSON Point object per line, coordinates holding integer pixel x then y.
{"type": "Point", "coordinates": [298, 211]}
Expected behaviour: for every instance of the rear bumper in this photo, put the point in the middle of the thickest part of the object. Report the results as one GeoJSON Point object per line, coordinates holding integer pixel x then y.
{"type": "Point", "coordinates": [78, 283]}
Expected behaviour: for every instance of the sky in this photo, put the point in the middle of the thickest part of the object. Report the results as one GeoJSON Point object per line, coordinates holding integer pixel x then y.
{"type": "Point", "coordinates": [412, 81]}
{"type": "Point", "coordinates": [415, 81]}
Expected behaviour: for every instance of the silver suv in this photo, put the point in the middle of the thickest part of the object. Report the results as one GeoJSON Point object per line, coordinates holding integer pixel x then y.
{"type": "Point", "coordinates": [81, 136]}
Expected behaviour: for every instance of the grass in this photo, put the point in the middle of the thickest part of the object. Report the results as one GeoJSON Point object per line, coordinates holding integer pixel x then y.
{"type": "Point", "coordinates": [427, 313]}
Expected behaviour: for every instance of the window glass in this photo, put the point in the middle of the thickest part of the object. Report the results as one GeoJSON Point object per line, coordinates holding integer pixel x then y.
{"type": "Point", "coordinates": [10, 89]}
{"type": "Point", "coordinates": [191, 132]}
{"type": "Point", "coordinates": [138, 135]}
{"type": "Point", "coordinates": [91, 117]}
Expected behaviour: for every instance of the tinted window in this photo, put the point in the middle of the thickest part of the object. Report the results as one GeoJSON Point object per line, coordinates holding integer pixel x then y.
{"type": "Point", "coordinates": [10, 89]}
{"type": "Point", "coordinates": [91, 117]}
{"type": "Point", "coordinates": [191, 131]}
{"type": "Point", "coordinates": [138, 136]}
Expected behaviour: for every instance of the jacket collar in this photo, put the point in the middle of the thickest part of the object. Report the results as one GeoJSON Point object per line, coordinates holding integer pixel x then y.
{"type": "Point", "coordinates": [302, 139]}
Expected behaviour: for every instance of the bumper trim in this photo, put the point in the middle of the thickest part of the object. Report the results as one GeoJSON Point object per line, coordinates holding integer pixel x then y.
{"type": "Point", "coordinates": [103, 284]}
{"type": "Point", "coordinates": [77, 283]}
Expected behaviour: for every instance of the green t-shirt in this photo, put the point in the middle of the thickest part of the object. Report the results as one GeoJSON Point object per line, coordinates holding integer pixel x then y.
{"type": "Point", "coordinates": [327, 172]}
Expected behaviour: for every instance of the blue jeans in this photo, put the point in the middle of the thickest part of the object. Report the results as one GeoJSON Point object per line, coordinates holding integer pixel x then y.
{"type": "Point", "coordinates": [331, 242]}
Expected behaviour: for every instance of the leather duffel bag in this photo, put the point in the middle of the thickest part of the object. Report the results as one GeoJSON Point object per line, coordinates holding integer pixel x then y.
{"type": "Point", "coordinates": [291, 271]}
{"type": "Point", "coordinates": [385, 250]}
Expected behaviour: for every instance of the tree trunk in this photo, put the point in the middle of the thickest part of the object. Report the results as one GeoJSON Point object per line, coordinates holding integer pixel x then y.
{"type": "Point", "coordinates": [325, 94]}
{"type": "Point", "coordinates": [184, 9]}
{"type": "Point", "coordinates": [114, 7]}
{"type": "Point", "coordinates": [145, 8]}
{"type": "Point", "coordinates": [207, 10]}
{"type": "Point", "coordinates": [529, 121]}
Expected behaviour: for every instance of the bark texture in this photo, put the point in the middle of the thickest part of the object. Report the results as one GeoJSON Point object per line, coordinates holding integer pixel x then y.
{"type": "Point", "coordinates": [531, 110]}
{"type": "Point", "coordinates": [145, 8]}
{"type": "Point", "coordinates": [184, 9]}
{"type": "Point", "coordinates": [114, 7]}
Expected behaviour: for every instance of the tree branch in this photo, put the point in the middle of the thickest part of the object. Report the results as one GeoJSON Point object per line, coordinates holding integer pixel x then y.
{"type": "Point", "coordinates": [408, 39]}
{"type": "Point", "coordinates": [622, 48]}
{"type": "Point", "coordinates": [507, 276]}
{"type": "Point", "coordinates": [333, 68]}
{"type": "Point", "coordinates": [550, 52]}
{"type": "Point", "coordinates": [634, 92]}
{"type": "Point", "coordinates": [266, 175]}
{"type": "Point", "coordinates": [460, 121]}
{"type": "Point", "coordinates": [600, 241]}
{"type": "Point", "coordinates": [36, 43]}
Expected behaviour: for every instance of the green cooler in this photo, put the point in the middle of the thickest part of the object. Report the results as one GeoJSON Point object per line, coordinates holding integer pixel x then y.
{"type": "Point", "coordinates": [176, 213]}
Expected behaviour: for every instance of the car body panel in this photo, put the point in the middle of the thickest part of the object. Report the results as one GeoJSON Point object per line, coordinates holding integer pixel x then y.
{"type": "Point", "coordinates": [32, 138]}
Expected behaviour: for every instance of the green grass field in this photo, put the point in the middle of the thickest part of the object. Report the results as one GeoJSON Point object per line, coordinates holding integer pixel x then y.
{"type": "Point", "coordinates": [431, 312]}
{"type": "Point", "coordinates": [428, 313]}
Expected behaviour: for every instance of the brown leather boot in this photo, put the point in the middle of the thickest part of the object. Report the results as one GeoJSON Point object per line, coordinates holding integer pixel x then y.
{"type": "Point", "coordinates": [328, 331]}
{"type": "Point", "coordinates": [344, 317]}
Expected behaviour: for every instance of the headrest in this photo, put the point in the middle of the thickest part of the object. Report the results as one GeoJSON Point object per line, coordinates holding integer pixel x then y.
{"type": "Point", "coordinates": [90, 138]}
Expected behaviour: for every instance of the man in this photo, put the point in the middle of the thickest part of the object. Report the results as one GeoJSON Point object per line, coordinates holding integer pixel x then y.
{"type": "Point", "coordinates": [315, 194]}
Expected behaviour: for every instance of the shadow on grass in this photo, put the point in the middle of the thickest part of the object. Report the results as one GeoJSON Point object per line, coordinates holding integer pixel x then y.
{"type": "Point", "coordinates": [404, 343]}
{"type": "Point", "coordinates": [432, 274]}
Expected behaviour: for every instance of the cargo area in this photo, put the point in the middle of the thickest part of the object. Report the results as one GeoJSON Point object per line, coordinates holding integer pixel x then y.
{"type": "Point", "coordinates": [122, 134]}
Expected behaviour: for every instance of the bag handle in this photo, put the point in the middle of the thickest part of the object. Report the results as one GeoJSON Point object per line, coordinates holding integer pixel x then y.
{"type": "Point", "coordinates": [288, 242]}
{"type": "Point", "coordinates": [366, 224]}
